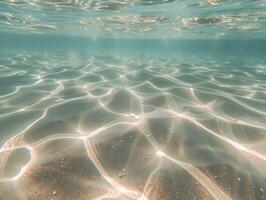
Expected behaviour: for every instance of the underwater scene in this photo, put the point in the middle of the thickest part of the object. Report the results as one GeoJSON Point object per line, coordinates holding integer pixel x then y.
{"type": "Point", "coordinates": [132, 99]}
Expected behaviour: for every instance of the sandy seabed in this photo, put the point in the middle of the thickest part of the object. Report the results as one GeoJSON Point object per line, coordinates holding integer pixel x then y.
{"type": "Point", "coordinates": [107, 127]}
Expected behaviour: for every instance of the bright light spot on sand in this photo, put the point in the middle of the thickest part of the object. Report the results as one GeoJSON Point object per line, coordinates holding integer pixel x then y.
{"type": "Point", "coordinates": [160, 153]}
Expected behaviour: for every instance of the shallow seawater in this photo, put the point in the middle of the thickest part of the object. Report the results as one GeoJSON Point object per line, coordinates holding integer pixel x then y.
{"type": "Point", "coordinates": [132, 100]}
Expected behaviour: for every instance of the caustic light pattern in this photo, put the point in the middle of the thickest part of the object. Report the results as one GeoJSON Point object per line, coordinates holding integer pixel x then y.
{"type": "Point", "coordinates": [136, 128]}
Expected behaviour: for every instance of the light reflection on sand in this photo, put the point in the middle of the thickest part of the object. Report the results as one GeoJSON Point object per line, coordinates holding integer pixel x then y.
{"type": "Point", "coordinates": [105, 127]}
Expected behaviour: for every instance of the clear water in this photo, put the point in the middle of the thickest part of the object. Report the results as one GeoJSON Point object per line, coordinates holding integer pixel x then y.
{"type": "Point", "coordinates": [138, 100]}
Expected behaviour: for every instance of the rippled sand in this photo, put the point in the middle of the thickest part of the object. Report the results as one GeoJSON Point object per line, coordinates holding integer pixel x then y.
{"type": "Point", "coordinates": [105, 127]}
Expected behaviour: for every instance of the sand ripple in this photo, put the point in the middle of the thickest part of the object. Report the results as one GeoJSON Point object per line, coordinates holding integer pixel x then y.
{"type": "Point", "coordinates": [104, 127]}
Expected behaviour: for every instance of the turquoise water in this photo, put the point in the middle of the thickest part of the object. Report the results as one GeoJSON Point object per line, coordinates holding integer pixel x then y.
{"type": "Point", "coordinates": [132, 100]}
